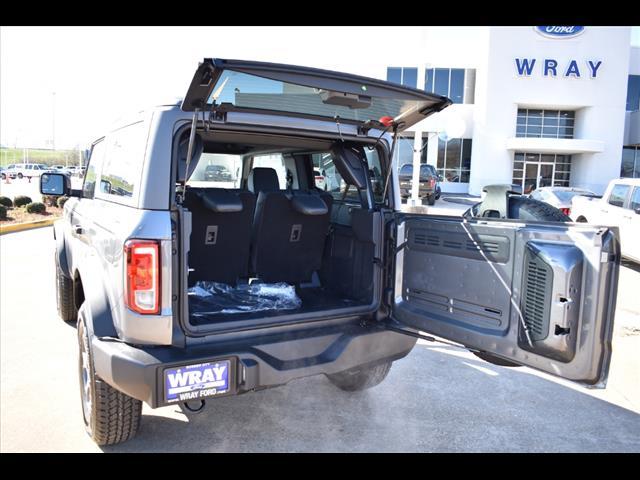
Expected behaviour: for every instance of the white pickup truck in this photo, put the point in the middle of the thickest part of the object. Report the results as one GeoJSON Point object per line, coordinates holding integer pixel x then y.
{"type": "Point", "coordinates": [620, 207]}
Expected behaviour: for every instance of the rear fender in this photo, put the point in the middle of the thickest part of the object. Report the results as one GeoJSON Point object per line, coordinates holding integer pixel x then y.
{"type": "Point", "coordinates": [97, 311]}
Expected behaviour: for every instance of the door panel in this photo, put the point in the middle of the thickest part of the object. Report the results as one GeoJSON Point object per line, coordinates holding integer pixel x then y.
{"type": "Point", "coordinates": [539, 294]}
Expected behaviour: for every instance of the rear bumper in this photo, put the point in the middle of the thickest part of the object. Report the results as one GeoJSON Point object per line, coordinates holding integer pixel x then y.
{"type": "Point", "coordinates": [138, 371]}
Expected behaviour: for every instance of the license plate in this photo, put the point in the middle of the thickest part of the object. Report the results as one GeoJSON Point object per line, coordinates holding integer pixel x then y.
{"type": "Point", "coordinates": [193, 382]}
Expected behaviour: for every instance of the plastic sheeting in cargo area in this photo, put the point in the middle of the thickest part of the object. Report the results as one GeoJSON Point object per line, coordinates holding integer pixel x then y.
{"type": "Point", "coordinates": [207, 298]}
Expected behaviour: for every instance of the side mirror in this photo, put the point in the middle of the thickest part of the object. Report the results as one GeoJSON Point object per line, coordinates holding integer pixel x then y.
{"type": "Point", "coordinates": [55, 184]}
{"type": "Point", "coordinates": [637, 210]}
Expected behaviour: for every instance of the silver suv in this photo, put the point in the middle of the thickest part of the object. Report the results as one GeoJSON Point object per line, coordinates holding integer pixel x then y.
{"type": "Point", "coordinates": [187, 286]}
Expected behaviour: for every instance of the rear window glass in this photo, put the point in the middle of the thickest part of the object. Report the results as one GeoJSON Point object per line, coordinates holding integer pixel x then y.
{"type": "Point", "coordinates": [251, 91]}
{"type": "Point", "coordinates": [566, 197]}
{"type": "Point", "coordinates": [618, 195]}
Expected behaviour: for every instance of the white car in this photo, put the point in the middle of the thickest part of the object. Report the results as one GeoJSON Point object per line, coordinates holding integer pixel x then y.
{"type": "Point", "coordinates": [620, 207]}
{"type": "Point", "coordinates": [560, 197]}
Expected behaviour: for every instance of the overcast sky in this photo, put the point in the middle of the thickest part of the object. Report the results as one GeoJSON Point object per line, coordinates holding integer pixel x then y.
{"type": "Point", "coordinates": [99, 73]}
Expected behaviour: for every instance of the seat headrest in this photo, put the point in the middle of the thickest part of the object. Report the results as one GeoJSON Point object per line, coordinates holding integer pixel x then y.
{"type": "Point", "coordinates": [220, 201]}
{"type": "Point", "coordinates": [183, 148]}
{"type": "Point", "coordinates": [309, 204]}
{"type": "Point", "coordinates": [263, 180]}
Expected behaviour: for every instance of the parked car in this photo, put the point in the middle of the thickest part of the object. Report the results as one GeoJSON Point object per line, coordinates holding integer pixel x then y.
{"type": "Point", "coordinates": [2, 174]}
{"type": "Point", "coordinates": [29, 170]}
{"type": "Point", "coordinates": [620, 207]}
{"type": "Point", "coordinates": [560, 197]}
{"type": "Point", "coordinates": [429, 182]}
{"type": "Point", "coordinates": [217, 173]}
{"type": "Point", "coordinates": [184, 293]}
{"type": "Point", "coordinates": [61, 169]}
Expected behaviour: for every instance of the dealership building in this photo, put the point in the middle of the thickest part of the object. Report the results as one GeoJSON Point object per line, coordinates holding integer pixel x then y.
{"type": "Point", "coordinates": [533, 106]}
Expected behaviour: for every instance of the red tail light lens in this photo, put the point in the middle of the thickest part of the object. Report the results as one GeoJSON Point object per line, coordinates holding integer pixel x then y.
{"type": "Point", "coordinates": [432, 182]}
{"type": "Point", "coordinates": [566, 211]}
{"type": "Point", "coordinates": [142, 276]}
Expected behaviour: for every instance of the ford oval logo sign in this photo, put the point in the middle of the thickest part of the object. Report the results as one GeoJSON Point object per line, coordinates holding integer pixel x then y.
{"type": "Point", "coordinates": [559, 32]}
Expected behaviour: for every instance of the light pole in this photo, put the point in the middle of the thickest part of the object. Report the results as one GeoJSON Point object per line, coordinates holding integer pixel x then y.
{"type": "Point", "coordinates": [53, 120]}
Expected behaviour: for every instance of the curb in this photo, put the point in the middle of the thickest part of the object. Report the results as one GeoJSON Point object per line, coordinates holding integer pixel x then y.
{"type": "Point", "coordinates": [19, 227]}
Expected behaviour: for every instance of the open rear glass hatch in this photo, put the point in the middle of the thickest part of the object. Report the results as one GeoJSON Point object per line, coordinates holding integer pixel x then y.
{"type": "Point", "coordinates": [306, 92]}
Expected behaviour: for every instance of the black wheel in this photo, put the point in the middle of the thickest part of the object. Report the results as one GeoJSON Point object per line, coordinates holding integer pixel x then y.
{"type": "Point", "coordinates": [360, 378]}
{"type": "Point", "coordinates": [20, 175]}
{"type": "Point", "coordinates": [581, 219]}
{"type": "Point", "coordinates": [109, 415]}
{"type": "Point", "coordinates": [487, 357]}
{"type": "Point", "coordinates": [431, 199]}
{"type": "Point", "coordinates": [4, 177]}
{"type": "Point", "coordinates": [64, 296]}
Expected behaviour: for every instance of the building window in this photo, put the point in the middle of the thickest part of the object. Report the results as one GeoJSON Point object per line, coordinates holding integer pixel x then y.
{"type": "Point", "coordinates": [406, 76]}
{"type": "Point", "coordinates": [456, 83]}
{"type": "Point", "coordinates": [630, 162]}
{"type": "Point", "coordinates": [454, 160]}
{"type": "Point", "coordinates": [545, 123]}
{"type": "Point", "coordinates": [535, 170]}
{"type": "Point", "coordinates": [404, 149]}
{"type": "Point", "coordinates": [633, 93]}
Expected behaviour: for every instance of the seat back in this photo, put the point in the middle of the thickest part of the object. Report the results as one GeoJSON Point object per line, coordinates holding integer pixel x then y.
{"type": "Point", "coordinates": [220, 234]}
{"type": "Point", "coordinates": [289, 231]}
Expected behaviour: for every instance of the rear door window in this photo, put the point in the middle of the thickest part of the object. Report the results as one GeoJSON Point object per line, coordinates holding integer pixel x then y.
{"type": "Point", "coordinates": [619, 195]}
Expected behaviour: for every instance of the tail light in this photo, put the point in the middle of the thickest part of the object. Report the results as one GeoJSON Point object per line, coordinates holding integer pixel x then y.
{"type": "Point", "coordinates": [432, 182]}
{"type": "Point", "coordinates": [566, 211]}
{"type": "Point", "coordinates": [142, 285]}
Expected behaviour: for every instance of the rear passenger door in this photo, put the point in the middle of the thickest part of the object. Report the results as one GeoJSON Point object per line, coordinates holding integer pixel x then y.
{"type": "Point", "coordinates": [538, 294]}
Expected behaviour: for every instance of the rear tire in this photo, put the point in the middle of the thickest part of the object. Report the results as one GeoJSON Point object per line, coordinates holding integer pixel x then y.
{"type": "Point", "coordinates": [360, 378]}
{"type": "Point", "coordinates": [64, 296]}
{"type": "Point", "coordinates": [20, 176]}
{"type": "Point", "coordinates": [524, 208]}
{"type": "Point", "coordinates": [109, 415]}
{"type": "Point", "coordinates": [431, 199]}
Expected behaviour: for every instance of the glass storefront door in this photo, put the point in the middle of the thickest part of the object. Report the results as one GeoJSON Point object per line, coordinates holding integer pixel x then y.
{"type": "Point", "coordinates": [535, 170]}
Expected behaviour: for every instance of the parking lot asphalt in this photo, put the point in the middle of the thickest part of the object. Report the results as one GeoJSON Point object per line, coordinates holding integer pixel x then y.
{"type": "Point", "coordinates": [438, 399]}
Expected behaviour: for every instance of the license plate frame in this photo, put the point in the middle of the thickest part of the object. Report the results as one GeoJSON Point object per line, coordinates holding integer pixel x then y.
{"type": "Point", "coordinates": [198, 380]}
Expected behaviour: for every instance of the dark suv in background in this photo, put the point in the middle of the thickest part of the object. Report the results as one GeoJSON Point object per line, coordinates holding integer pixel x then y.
{"type": "Point", "coordinates": [429, 182]}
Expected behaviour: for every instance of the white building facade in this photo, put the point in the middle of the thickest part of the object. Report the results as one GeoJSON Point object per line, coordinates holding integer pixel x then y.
{"type": "Point", "coordinates": [533, 106]}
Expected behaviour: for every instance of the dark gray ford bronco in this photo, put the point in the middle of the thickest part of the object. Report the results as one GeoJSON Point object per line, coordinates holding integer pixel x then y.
{"type": "Point", "coordinates": [199, 259]}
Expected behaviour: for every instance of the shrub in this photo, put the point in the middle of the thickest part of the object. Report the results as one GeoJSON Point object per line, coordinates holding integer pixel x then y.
{"type": "Point", "coordinates": [21, 201]}
{"type": "Point", "coordinates": [3, 212]}
{"type": "Point", "coordinates": [61, 201]}
{"type": "Point", "coordinates": [6, 201]}
{"type": "Point", "coordinates": [36, 207]}
{"type": "Point", "coordinates": [49, 200]}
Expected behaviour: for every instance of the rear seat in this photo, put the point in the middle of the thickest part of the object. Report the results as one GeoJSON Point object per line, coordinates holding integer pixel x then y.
{"type": "Point", "coordinates": [289, 230]}
{"type": "Point", "coordinates": [220, 234]}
